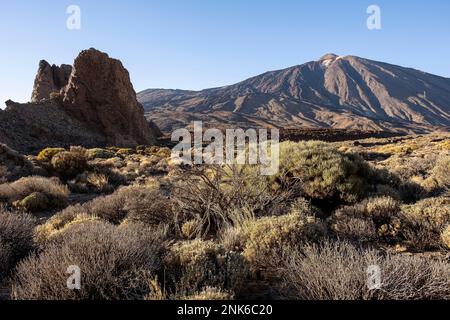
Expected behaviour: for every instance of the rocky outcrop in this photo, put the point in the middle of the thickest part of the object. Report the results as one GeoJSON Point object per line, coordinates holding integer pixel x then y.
{"type": "Point", "coordinates": [100, 94]}
{"type": "Point", "coordinates": [93, 105]}
{"type": "Point", "coordinates": [49, 79]}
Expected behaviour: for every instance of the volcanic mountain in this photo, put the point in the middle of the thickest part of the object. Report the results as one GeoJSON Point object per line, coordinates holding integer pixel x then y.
{"type": "Point", "coordinates": [334, 92]}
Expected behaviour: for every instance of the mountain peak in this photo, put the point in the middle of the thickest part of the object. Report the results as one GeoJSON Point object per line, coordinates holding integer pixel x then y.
{"type": "Point", "coordinates": [329, 56]}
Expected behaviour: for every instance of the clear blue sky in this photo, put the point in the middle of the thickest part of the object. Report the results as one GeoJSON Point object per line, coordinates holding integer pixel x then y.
{"type": "Point", "coordinates": [196, 44]}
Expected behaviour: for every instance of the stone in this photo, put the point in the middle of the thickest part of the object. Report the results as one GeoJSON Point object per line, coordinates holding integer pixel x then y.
{"type": "Point", "coordinates": [49, 79]}
{"type": "Point", "coordinates": [101, 95]}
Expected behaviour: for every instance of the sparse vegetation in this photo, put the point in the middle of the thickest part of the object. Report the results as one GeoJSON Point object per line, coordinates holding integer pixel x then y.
{"type": "Point", "coordinates": [143, 227]}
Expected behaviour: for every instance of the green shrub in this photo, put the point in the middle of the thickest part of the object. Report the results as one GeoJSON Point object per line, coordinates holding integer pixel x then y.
{"type": "Point", "coordinates": [322, 172]}
{"type": "Point", "coordinates": [29, 192]}
{"type": "Point", "coordinates": [47, 154]}
{"type": "Point", "coordinates": [35, 202]}
{"type": "Point", "coordinates": [196, 264]}
{"type": "Point", "coordinates": [115, 262]}
{"type": "Point", "coordinates": [16, 239]}
{"type": "Point", "coordinates": [71, 163]}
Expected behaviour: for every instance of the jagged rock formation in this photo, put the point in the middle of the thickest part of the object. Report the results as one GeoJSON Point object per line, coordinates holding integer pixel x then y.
{"type": "Point", "coordinates": [49, 79]}
{"type": "Point", "coordinates": [333, 92]}
{"type": "Point", "coordinates": [100, 94]}
{"type": "Point", "coordinates": [95, 105]}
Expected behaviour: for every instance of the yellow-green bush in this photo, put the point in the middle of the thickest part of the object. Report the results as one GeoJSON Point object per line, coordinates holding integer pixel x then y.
{"type": "Point", "coordinates": [196, 264]}
{"type": "Point", "coordinates": [35, 202]}
{"type": "Point", "coordinates": [35, 187]}
{"type": "Point", "coordinates": [372, 219]}
{"type": "Point", "coordinates": [423, 222]}
{"type": "Point", "coordinates": [71, 163]}
{"type": "Point", "coordinates": [60, 223]}
{"type": "Point", "coordinates": [267, 236]}
{"type": "Point", "coordinates": [98, 153]}
{"type": "Point", "coordinates": [47, 154]}
{"type": "Point", "coordinates": [323, 172]}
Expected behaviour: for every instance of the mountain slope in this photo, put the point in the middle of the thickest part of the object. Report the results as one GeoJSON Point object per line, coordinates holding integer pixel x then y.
{"type": "Point", "coordinates": [340, 92]}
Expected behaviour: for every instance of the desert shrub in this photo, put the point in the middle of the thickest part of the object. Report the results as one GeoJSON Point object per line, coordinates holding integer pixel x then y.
{"type": "Point", "coordinates": [210, 294]}
{"type": "Point", "coordinates": [115, 263]}
{"type": "Point", "coordinates": [35, 193]}
{"type": "Point", "coordinates": [69, 164]}
{"type": "Point", "coordinates": [98, 153]}
{"type": "Point", "coordinates": [339, 271]}
{"type": "Point", "coordinates": [16, 239]}
{"type": "Point", "coordinates": [213, 195]}
{"type": "Point", "coordinates": [264, 238]}
{"type": "Point", "coordinates": [323, 172]}
{"type": "Point", "coordinates": [150, 206]}
{"type": "Point", "coordinates": [445, 237]}
{"type": "Point", "coordinates": [60, 223]}
{"type": "Point", "coordinates": [47, 154]}
{"type": "Point", "coordinates": [439, 178]}
{"type": "Point", "coordinates": [372, 219]}
{"type": "Point", "coordinates": [423, 222]}
{"type": "Point", "coordinates": [196, 264]}
{"type": "Point", "coordinates": [190, 229]}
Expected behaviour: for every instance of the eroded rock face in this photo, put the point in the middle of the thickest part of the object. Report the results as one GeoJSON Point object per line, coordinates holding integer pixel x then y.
{"type": "Point", "coordinates": [49, 79]}
{"type": "Point", "coordinates": [94, 105]}
{"type": "Point", "coordinates": [100, 94]}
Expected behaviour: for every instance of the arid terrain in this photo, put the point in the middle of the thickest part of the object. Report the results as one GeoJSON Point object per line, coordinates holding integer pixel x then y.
{"type": "Point", "coordinates": [142, 227]}
{"type": "Point", "coordinates": [339, 92]}
{"type": "Point", "coordinates": [86, 183]}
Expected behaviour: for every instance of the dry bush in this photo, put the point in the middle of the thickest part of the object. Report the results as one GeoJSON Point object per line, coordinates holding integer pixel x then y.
{"type": "Point", "coordinates": [16, 239]}
{"type": "Point", "coordinates": [322, 172]}
{"type": "Point", "coordinates": [210, 294]}
{"type": "Point", "coordinates": [115, 263]}
{"type": "Point", "coordinates": [149, 205]}
{"type": "Point", "coordinates": [193, 265]}
{"type": "Point", "coordinates": [43, 193]}
{"type": "Point", "coordinates": [445, 237]}
{"type": "Point", "coordinates": [213, 195]}
{"type": "Point", "coordinates": [423, 222]}
{"type": "Point", "coordinates": [133, 204]}
{"type": "Point", "coordinates": [372, 219]}
{"type": "Point", "coordinates": [338, 271]}
{"type": "Point", "coordinates": [69, 164]}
